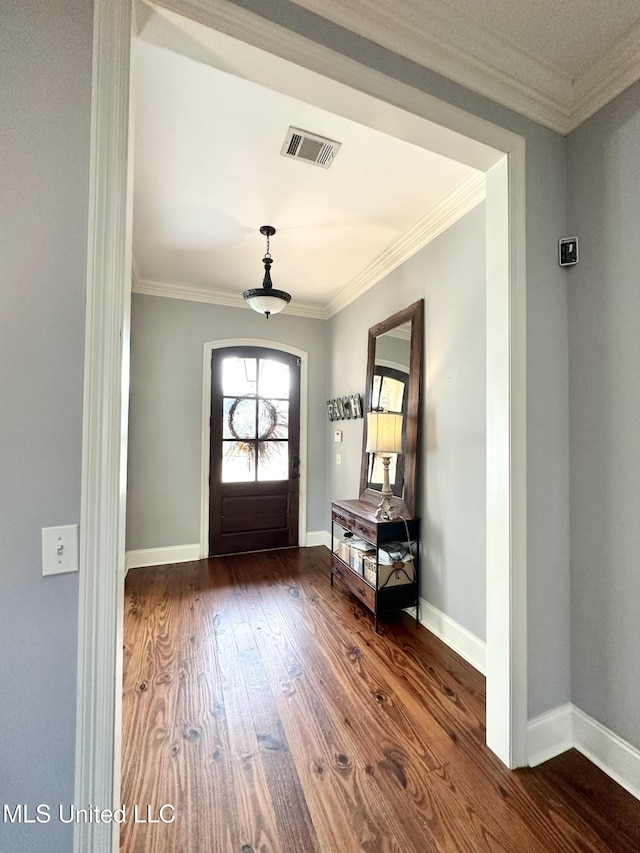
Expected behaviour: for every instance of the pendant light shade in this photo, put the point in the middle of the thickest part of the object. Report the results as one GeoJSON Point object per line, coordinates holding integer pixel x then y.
{"type": "Point", "coordinates": [266, 299]}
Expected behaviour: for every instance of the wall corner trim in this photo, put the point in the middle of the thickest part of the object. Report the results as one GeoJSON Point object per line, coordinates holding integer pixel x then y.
{"type": "Point", "coordinates": [568, 727]}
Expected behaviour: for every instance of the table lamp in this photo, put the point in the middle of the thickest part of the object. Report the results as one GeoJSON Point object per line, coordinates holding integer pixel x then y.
{"type": "Point", "coordinates": [384, 437]}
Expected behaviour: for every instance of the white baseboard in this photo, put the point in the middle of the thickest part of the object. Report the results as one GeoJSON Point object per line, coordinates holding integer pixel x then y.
{"type": "Point", "coordinates": [318, 537]}
{"type": "Point", "coordinates": [466, 644]}
{"type": "Point", "coordinates": [186, 553]}
{"type": "Point", "coordinates": [550, 734]}
{"type": "Point", "coordinates": [567, 726]}
{"type": "Point", "coordinates": [618, 758]}
{"type": "Point", "coordinates": [161, 556]}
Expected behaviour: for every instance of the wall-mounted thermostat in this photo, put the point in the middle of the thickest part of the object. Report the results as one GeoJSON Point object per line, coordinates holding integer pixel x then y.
{"type": "Point", "coordinates": [568, 251]}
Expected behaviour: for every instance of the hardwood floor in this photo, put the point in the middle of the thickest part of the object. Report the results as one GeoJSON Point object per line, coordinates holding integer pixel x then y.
{"type": "Point", "coordinates": [260, 704]}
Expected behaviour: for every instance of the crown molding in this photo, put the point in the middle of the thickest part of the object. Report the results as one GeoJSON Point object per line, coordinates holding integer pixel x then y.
{"type": "Point", "coordinates": [457, 48]}
{"type": "Point", "coordinates": [451, 44]}
{"type": "Point", "coordinates": [465, 196]}
{"type": "Point", "coordinates": [197, 293]}
{"type": "Point", "coordinates": [605, 79]}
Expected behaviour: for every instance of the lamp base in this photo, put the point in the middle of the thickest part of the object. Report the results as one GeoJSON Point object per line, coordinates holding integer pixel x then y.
{"type": "Point", "coordinates": [385, 510]}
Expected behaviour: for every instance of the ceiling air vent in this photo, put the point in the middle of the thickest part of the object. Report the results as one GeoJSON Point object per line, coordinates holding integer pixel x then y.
{"type": "Point", "coordinates": [315, 149]}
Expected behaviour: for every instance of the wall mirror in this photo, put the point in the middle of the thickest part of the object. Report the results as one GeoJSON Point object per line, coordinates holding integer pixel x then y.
{"type": "Point", "coordinates": [394, 379]}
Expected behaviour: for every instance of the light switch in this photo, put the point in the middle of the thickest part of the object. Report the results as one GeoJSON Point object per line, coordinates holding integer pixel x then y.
{"type": "Point", "coordinates": [337, 435]}
{"type": "Point", "coordinates": [59, 549]}
{"type": "Point", "coordinates": [338, 459]}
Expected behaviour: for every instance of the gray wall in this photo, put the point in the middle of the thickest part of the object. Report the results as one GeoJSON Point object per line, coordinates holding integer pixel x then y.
{"type": "Point", "coordinates": [165, 421]}
{"type": "Point", "coordinates": [604, 347]}
{"type": "Point", "coordinates": [45, 107]}
{"type": "Point", "coordinates": [45, 68]}
{"type": "Point", "coordinates": [547, 347]}
{"type": "Point", "coordinates": [451, 495]}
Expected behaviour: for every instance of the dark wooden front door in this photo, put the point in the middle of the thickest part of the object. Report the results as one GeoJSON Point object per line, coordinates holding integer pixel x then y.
{"type": "Point", "coordinates": [254, 460]}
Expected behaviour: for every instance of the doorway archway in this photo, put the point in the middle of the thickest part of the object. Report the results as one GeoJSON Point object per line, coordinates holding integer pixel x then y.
{"type": "Point", "coordinates": [371, 96]}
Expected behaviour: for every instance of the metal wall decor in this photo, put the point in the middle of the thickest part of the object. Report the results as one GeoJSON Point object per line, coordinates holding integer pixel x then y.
{"type": "Point", "coordinates": [345, 408]}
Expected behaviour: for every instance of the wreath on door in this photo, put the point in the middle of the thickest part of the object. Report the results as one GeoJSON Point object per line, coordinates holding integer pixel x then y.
{"type": "Point", "coordinates": [270, 415]}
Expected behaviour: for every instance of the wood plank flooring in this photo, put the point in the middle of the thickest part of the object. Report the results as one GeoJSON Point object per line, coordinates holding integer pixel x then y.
{"type": "Point", "coordinates": [260, 704]}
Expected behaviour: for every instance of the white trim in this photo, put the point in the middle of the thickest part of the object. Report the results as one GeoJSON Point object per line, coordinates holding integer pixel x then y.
{"type": "Point", "coordinates": [468, 53]}
{"type": "Point", "coordinates": [506, 509]}
{"type": "Point", "coordinates": [568, 727]}
{"type": "Point", "coordinates": [104, 440]}
{"type": "Point", "coordinates": [394, 365]}
{"type": "Point", "coordinates": [195, 293]}
{"type": "Point", "coordinates": [207, 350]}
{"type": "Point", "coordinates": [466, 644]}
{"type": "Point", "coordinates": [161, 556]}
{"type": "Point", "coordinates": [615, 756]}
{"type": "Point", "coordinates": [462, 198]}
{"type": "Point", "coordinates": [550, 734]}
{"type": "Point", "coordinates": [318, 537]}
{"type": "Point", "coordinates": [366, 95]}
{"type": "Point", "coordinates": [605, 79]}
{"type": "Point", "coordinates": [456, 47]}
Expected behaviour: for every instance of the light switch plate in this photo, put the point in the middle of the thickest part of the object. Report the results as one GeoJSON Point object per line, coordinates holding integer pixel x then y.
{"type": "Point", "coordinates": [59, 549]}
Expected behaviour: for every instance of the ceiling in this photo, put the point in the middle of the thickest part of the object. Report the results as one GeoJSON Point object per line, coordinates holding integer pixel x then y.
{"type": "Point", "coordinates": [209, 172]}
{"type": "Point", "coordinates": [208, 169]}
{"type": "Point", "coordinates": [555, 61]}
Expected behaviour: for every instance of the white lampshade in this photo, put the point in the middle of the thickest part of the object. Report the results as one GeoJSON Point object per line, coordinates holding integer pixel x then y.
{"type": "Point", "coordinates": [266, 304]}
{"type": "Point", "coordinates": [384, 432]}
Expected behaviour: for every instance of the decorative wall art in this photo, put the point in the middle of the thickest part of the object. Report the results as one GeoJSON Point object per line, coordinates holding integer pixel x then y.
{"type": "Point", "coordinates": [345, 408]}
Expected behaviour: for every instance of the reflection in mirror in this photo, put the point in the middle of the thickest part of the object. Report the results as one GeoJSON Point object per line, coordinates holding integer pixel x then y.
{"type": "Point", "coordinates": [394, 367]}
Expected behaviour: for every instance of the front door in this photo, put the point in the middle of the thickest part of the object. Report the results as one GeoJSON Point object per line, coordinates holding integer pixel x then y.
{"type": "Point", "coordinates": [254, 460]}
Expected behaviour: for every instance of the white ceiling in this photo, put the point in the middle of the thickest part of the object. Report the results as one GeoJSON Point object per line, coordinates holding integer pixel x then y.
{"type": "Point", "coordinates": [208, 170]}
{"type": "Point", "coordinates": [209, 173]}
{"type": "Point", "coordinates": [555, 61]}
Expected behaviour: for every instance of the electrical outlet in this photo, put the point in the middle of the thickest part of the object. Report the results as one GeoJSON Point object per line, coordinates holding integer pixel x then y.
{"type": "Point", "coordinates": [338, 459]}
{"type": "Point", "coordinates": [59, 549]}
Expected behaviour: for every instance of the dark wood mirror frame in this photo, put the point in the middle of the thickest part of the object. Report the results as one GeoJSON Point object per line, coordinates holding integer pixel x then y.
{"type": "Point", "coordinates": [414, 314]}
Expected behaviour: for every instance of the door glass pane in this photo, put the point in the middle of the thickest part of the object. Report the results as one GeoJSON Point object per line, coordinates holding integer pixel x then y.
{"type": "Point", "coordinates": [273, 460]}
{"type": "Point", "coordinates": [274, 379]}
{"type": "Point", "coordinates": [238, 461]}
{"type": "Point", "coordinates": [239, 418]}
{"type": "Point", "coordinates": [239, 377]}
{"type": "Point", "coordinates": [273, 419]}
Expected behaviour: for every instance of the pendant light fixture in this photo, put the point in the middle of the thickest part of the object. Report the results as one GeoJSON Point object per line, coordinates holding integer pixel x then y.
{"type": "Point", "coordinates": [266, 299]}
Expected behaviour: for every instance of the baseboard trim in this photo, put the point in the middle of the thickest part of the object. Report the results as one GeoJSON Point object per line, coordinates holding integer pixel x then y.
{"type": "Point", "coordinates": [185, 553]}
{"type": "Point", "coordinates": [568, 727]}
{"type": "Point", "coordinates": [466, 644]}
{"type": "Point", "coordinates": [615, 756]}
{"type": "Point", "coordinates": [317, 537]}
{"type": "Point", "coordinates": [161, 556]}
{"type": "Point", "coordinates": [550, 734]}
